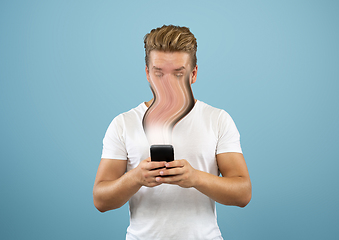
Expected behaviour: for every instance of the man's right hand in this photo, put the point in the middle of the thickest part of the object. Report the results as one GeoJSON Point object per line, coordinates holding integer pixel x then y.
{"type": "Point", "coordinates": [114, 186]}
{"type": "Point", "coordinates": [147, 171]}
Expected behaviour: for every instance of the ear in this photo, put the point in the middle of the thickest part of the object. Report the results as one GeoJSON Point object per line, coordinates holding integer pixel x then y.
{"type": "Point", "coordinates": [147, 73]}
{"type": "Point", "coordinates": [194, 74]}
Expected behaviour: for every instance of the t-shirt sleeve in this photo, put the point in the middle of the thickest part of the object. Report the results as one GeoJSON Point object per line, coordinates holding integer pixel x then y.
{"type": "Point", "coordinates": [228, 135]}
{"type": "Point", "coordinates": [113, 143]}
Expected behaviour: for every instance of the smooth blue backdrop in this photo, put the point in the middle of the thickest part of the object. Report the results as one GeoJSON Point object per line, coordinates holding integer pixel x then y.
{"type": "Point", "coordinates": [67, 68]}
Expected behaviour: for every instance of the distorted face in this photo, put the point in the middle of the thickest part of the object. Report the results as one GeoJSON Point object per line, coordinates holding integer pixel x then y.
{"type": "Point", "coordinates": [170, 76]}
{"type": "Point", "coordinates": [170, 65]}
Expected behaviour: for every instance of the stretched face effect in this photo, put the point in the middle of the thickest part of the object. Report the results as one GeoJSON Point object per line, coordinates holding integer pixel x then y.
{"type": "Point", "coordinates": [170, 76]}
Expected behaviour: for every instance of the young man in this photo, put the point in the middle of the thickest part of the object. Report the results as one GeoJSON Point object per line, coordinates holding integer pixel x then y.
{"type": "Point", "coordinates": [173, 200]}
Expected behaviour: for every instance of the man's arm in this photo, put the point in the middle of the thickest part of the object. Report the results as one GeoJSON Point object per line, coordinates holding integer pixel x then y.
{"type": "Point", "coordinates": [233, 188]}
{"type": "Point", "coordinates": [113, 187]}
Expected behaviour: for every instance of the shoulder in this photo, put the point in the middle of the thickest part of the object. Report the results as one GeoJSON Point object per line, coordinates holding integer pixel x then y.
{"type": "Point", "coordinates": [133, 114]}
{"type": "Point", "coordinates": [128, 118]}
{"type": "Point", "coordinates": [212, 112]}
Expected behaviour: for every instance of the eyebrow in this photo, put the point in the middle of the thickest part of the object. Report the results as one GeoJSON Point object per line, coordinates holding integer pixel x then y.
{"type": "Point", "coordinates": [156, 68]}
{"type": "Point", "coordinates": [176, 70]}
{"type": "Point", "coordinates": [179, 69]}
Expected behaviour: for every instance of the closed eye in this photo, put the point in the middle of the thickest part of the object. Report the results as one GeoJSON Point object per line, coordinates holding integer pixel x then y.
{"type": "Point", "coordinates": [158, 74]}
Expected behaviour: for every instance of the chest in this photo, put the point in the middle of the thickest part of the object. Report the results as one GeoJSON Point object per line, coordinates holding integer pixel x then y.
{"type": "Point", "coordinates": [193, 140]}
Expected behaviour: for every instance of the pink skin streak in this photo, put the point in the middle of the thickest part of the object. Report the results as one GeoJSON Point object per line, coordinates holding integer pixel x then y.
{"type": "Point", "coordinates": [173, 100]}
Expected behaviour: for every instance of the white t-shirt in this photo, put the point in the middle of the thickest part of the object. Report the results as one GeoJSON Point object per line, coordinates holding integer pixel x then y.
{"type": "Point", "coordinates": [169, 211]}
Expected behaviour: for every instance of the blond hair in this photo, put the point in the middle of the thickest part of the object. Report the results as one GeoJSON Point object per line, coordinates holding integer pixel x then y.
{"type": "Point", "coordinates": [171, 39]}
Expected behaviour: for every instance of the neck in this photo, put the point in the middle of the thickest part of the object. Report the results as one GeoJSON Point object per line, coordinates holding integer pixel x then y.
{"type": "Point", "coordinates": [150, 102]}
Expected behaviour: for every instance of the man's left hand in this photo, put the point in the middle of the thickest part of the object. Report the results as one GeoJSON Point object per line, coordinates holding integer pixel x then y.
{"type": "Point", "coordinates": [178, 172]}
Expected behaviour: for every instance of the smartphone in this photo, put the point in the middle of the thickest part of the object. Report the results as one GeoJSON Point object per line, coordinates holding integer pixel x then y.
{"type": "Point", "coordinates": [162, 153]}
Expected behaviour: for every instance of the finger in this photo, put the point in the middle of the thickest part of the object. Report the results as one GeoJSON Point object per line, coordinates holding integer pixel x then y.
{"type": "Point", "coordinates": [171, 171]}
{"type": "Point", "coordinates": [155, 165]}
{"type": "Point", "coordinates": [169, 179]}
{"type": "Point", "coordinates": [153, 184]}
{"type": "Point", "coordinates": [175, 163]}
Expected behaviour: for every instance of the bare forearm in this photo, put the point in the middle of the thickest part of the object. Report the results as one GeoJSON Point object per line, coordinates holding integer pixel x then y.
{"type": "Point", "coordinates": [234, 191]}
{"type": "Point", "coordinates": [110, 195]}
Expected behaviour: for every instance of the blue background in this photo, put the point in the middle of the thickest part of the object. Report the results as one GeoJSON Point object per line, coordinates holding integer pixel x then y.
{"type": "Point", "coordinates": [67, 68]}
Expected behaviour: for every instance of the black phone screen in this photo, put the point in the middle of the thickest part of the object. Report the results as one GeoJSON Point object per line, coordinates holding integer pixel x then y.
{"type": "Point", "coordinates": [162, 153]}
